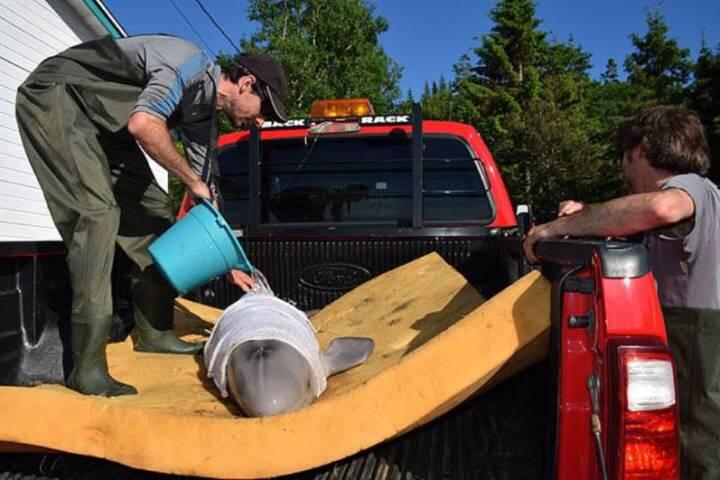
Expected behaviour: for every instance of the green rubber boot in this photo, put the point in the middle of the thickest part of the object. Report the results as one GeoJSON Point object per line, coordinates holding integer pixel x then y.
{"type": "Point", "coordinates": [153, 299]}
{"type": "Point", "coordinates": [90, 372]}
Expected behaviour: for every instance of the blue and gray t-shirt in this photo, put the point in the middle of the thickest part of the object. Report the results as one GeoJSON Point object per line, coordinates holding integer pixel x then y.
{"type": "Point", "coordinates": [686, 256]}
{"type": "Point", "coordinates": [180, 88]}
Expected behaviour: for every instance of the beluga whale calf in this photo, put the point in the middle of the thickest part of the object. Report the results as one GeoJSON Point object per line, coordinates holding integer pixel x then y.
{"type": "Point", "coordinates": [263, 353]}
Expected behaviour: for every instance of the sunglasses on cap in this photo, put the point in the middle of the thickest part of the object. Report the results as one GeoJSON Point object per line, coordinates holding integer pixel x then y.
{"type": "Point", "coordinates": [266, 108]}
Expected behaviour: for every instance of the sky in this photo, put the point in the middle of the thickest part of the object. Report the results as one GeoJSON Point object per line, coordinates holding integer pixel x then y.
{"type": "Point", "coordinates": [426, 37]}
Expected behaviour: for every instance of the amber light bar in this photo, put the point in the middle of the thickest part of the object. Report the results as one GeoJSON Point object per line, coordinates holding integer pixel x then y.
{"type": "Point", "coordinates": [353, 107]}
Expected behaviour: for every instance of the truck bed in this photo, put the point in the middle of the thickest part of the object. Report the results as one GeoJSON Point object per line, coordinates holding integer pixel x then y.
{"type": "Point", "coordinates": [497, 435]}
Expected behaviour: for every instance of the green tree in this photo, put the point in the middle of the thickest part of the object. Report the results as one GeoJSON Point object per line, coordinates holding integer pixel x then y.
{"type": "Point", "coordinates": [564, 69]}
{"type": "Point", "coordinates": [529, 95]}
{"type": "Point", "coordinates": [607, 104]}
{"type": "Point", "coordinates": [547, 156]}
{"type": "Point", "coordinates": [511, 49]}
{"type": "Point", "coordinates": [611, 72]}
{"type": "Point", "coordinates": [705, 99]}
{"type": "Point", "coordinates": [516, 64]}
{"type": "Point", "coordinates": [438, 102]}
{"type": "Point", "coordinates": [658, 71]}
{"type": "Point", "coordinates": [506, 76]}
{"type": "Point", "coordinates": [658, 63]}
{"type": "Point", "coordinates": [550, 127]}
{"type": "Point", "coordinates": [410, 97]}
{"type": "Point", "coordinates": [329, 48]}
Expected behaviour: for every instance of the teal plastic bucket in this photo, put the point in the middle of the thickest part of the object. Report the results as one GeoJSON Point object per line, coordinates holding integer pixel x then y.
{"type": "Point", "coordinates": [197, 248]}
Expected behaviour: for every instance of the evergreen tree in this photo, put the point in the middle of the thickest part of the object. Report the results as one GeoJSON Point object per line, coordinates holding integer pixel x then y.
{"type": "Point", "coordinates": [658, 63]}
{"type": "Point", "coordinates": [705, 99]}
{"type": "Point", "coordinates": [547, 156]}
{"type": "Point", "coordinates": [611, 72]}
{"type": "Point", "coordinates": [505, 76]}
{"type": "Point", "coordinates": [564, 72]}
{"type": "Point", "coordinates": [564, 58]}
{"type": "Point", "coordinates": [465, 93]}
{"type": "Point", "coordinates": [550, 127]}
{"type": "Point", "coordinates": [439, 105]}
{"type": "Point", "coordinates": [426, 91]}
{"type": "Point", "coordinates": [606, 105]}
{"type": "Point", "coordinates": [442, 85]}
{"type": "Point", "coordinates": [528, 95]}
{"type": "Point", "coordinates": [510, 51]}
{"type": "Point", "coordinates": [463, 68]}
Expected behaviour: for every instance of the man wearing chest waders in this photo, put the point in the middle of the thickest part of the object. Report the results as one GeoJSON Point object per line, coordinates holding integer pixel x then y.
{"type": "Point", "coordinates": [81, 115]}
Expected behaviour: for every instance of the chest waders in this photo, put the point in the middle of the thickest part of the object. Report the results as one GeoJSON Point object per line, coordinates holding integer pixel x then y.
{"type": "Point", "coordinates": [72, 114]}
{"type": "Point", "coordinates": [694, 337]}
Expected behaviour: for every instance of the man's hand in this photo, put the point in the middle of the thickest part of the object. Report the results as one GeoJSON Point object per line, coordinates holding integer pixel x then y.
{"type": "Point", "coordinates": [547, 230]}
{"type": "Point", "coordinates": [200, 191]}
{"type": "Point", "coordinates": [538, 232]}
{"type": "Point", "coordinates": [241, 279]}
{"type": "Point", "coordinates": [570, 207]}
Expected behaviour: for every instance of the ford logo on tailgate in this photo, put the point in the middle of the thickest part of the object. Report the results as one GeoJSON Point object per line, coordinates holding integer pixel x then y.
{"type": "Point", "coordinates": [334, 276]}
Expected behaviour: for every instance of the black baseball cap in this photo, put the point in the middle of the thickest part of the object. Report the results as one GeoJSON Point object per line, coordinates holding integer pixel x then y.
{"type": "Point", "coordinates": [272, 82]}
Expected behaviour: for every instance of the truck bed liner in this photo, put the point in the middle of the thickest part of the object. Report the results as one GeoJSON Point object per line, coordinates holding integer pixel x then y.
{"type": "Point", "coordinates": [498, 435]}
{"type": "Point", "coordinates": [435, 348]}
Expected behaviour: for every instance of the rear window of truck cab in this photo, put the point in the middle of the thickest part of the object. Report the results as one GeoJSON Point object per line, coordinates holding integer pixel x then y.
{"type": "Point", "coordinates": [354, 180]}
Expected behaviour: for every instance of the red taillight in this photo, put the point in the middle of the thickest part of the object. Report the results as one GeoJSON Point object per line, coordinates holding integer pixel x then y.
{"type": "Point", "coordinates": [651, 445]}
{"type": "Point", "coordinates": [646, 429]}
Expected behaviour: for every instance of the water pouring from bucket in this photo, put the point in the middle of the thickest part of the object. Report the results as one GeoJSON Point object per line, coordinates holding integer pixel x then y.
{"type": "Point", "coordinates": [198, 248]}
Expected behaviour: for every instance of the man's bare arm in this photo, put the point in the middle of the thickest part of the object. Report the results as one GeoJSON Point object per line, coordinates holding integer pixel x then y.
{"type": "Point", "coordinates": [153, 135]}
{"type": "Point", "coordinates": [619, 217]}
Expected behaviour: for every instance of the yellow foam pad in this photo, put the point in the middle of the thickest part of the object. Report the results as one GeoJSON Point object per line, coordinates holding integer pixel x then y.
{"type": "Point", "coordinates": [437, 343]}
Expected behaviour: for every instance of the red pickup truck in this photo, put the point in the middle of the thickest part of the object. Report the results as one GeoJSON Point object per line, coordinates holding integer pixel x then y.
{"type": "Point", "coordinates": [323, 204]}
